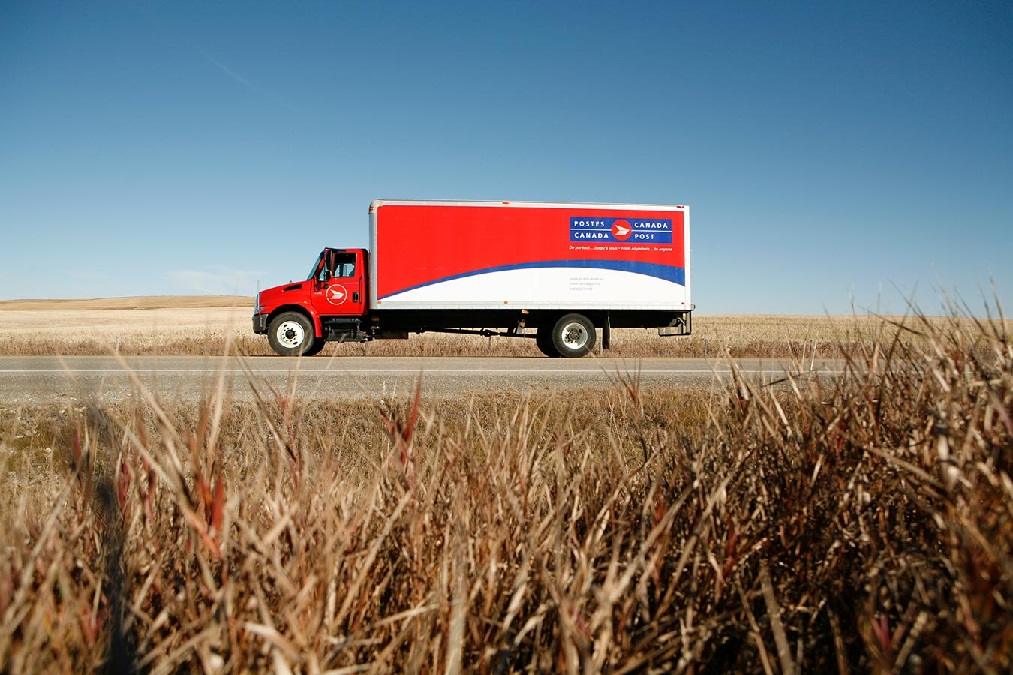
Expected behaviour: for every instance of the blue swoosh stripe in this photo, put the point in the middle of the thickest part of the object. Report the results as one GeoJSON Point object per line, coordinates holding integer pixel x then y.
{"type": "Point", "coordinates": [676, 275]}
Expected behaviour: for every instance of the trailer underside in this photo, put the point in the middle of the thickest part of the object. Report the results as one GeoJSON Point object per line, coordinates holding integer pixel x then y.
{"type": "Point", "coordinates": [508, 319]}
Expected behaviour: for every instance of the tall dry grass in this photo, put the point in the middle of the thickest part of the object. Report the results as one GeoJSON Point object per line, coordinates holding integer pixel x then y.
{"type": "Point", "coordinates": [863, 523]}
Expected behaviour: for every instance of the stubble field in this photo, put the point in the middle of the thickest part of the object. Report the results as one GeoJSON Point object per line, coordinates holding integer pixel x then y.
{"type": "Point", "coordinates": [179, 326]}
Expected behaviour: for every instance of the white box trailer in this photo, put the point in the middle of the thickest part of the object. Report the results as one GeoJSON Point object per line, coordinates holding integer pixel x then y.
{"type": "Point", "coordinates": [491, 255]}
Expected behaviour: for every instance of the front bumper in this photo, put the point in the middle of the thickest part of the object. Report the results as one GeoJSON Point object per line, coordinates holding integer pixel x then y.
{"type": "Point", "coordinates": [260, 323]}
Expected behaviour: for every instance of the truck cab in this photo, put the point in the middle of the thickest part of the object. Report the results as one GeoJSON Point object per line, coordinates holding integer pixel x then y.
{"type": "Point", "coordinates": [329, 305]}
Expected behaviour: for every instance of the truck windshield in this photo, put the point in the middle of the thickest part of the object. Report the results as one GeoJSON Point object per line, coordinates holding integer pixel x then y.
{"type": "Point", "coordinates": [316, 266]}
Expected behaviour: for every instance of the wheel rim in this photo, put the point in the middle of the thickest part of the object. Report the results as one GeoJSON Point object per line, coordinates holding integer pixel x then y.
{"type": "Point", "coordinates": [291, 334]}
{"type": "Point", "coordinates": [575, 335]}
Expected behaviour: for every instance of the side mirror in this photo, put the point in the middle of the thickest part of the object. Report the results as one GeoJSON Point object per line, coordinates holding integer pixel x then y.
{"type": "Point", "coordinates": [324, 275]}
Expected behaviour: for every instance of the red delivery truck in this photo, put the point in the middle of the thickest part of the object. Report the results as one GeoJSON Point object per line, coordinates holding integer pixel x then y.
{"type": "Point", "coordinates": [558, 273]}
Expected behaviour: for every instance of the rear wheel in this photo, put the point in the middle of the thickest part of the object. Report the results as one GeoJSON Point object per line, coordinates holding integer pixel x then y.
{"type": "Point", "coordinates": [573, 335]}
{"type": "Point", "coordinates": [543, 338]}
{"type": "Point", "coordinates": [291, 334]}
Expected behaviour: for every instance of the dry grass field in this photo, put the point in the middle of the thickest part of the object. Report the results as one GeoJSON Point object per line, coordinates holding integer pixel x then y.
{"type": "Point", "coordinates": [856, 525]}
{"type": "Point", "coordinates": [183, 325]}
{"type": "Point", "coordinates": [131, 303]}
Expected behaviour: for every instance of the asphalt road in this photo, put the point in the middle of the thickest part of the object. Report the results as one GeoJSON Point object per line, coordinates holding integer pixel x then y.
{"type": "Point", "coordinates": [28, 380]}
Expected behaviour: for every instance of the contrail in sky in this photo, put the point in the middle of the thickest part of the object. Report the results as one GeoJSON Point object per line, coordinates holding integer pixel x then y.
{"type": "Point", "coordinates": [229, 72]}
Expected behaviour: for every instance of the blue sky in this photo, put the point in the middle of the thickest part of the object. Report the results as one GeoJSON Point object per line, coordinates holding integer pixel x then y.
{"type": "Point", "coordinates": [831, 152]}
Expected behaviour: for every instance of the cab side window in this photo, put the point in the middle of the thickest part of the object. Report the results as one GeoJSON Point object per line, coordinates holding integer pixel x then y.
{"type": "Point", "coordinates": [344, 265]}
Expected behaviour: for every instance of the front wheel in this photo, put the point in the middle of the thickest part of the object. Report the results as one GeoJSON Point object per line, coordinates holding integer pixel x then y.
{"type": "Point", "coordinates": [291, 334]}
{"type": "Point", "coordinates": [573, 335]}
{"type": "Point", "coordinates": [318, 346]}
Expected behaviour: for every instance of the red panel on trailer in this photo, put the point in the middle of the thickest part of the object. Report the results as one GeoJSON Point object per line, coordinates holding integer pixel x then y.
{"type": "Point", "coordinates": [423, 244]}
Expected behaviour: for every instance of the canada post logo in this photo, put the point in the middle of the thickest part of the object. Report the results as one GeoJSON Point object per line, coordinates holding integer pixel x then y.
{"type": "Point", "coordinates": [588, 229]}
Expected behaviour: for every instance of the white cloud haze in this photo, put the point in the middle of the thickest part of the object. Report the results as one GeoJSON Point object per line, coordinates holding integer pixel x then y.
{"type": "Point", "coordinates": [218, 280]}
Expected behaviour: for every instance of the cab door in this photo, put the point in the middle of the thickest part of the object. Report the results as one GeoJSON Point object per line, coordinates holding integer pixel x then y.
{"type": "Point", "coordinates": [340, 286]}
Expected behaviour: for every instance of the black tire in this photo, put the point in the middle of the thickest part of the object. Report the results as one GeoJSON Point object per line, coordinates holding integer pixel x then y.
{"type": "Point", "coordinates": [573, 336]}
{"type": "Point", "coordinates": [291, 334]}
{"type": "Point", "coordinates": [318, 346]}
{"type": "Point", "coordinates": [543, 338]}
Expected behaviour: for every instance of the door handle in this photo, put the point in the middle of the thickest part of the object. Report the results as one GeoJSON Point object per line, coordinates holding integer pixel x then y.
{"type": "Point", "coordinates": [355, 296]}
